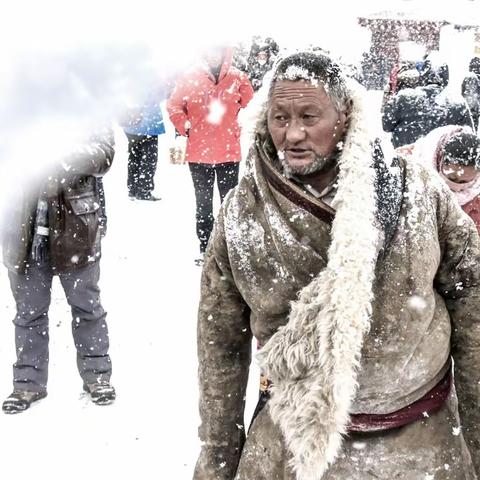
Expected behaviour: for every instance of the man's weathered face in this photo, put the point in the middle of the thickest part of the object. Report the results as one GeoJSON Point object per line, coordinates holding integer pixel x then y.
{"type": "Point", "coordinates": [304, 125]}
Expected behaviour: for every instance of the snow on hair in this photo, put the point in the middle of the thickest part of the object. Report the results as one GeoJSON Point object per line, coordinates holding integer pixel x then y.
{"type": "Point", "coordinates": [317, 69]}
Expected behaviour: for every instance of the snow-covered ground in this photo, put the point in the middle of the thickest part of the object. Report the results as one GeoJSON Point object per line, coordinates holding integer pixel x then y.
{"type": "Point", "coordinates": [150, 288]}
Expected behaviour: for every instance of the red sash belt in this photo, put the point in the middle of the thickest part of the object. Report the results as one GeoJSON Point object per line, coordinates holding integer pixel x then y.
{"type": "Point", "coordinates": [430, 403]}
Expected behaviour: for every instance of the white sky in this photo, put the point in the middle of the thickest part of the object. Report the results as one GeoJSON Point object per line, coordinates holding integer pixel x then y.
{"type": "Point", "coordinates": [63, 63]}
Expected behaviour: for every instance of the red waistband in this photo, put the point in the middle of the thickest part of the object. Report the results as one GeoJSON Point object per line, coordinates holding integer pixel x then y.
{"type": "Point", "coordinates": [430, 403]}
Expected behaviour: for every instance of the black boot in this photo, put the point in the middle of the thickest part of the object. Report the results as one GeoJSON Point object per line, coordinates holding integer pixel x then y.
{"type": "Point", "coordinates": [20, 400]}
{"type": "Point", "coordinates": [101, 393]}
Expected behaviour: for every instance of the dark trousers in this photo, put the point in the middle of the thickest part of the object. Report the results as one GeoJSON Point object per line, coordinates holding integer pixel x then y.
{"type": "Point", "coordinates": [203, 176]}
{"type": "Point", "coordinates": [32, 294]}
{"type": "Point", "coordinates": [142, 164]}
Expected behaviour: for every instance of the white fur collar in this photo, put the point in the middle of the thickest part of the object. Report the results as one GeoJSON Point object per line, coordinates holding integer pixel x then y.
{"type": "Point", "coordinates": [313, 360]}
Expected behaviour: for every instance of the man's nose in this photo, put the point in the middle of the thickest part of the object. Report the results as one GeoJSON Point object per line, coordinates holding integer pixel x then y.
{"type": "Point", "coordinates": [295, 131]}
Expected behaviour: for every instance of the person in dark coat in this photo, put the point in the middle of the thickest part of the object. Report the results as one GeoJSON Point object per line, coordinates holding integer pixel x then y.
{"type": "Point", "coordinates": [401, 78]}
{"type": "Point", "coordinates": [142, 129]}
{"type": "Point", "coordinates": [260, 60]}
{"type": "Point", "coordinates": [414, 112]}
{"type": "Point", "coordinates": [471, 90]}
{"type": "Point", "coordinates": [433, 69]}
{"type": "Point", "coordinates": [54, 229]}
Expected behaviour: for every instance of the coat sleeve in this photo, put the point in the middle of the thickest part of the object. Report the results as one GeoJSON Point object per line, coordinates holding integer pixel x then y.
{"type": "Point", "coordinates": [458, 281]}
{"type": "Point", "coordinates": [177, 107]}
{"type": "Point", "coordinates": [389, 114]}
{"type": "Point", "coordinates": [224, 353]}
{"type": "Point", "coordinates": [94, 157]}
{"type": "Point", "coordinates": [246, 90]}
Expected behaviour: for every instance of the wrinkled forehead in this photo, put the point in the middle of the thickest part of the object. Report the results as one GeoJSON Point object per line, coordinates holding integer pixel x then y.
{"type": "Point", "coordinates": [299, 90]}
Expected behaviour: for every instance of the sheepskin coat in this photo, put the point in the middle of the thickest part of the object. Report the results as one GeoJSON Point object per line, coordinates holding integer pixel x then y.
{"type": "Point", "coordinates": [355, 315]}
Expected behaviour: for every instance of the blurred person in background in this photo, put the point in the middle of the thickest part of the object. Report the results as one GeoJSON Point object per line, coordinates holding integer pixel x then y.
{"type": "Point", "coordinates": [414, 112]}
{"type": "Point", "coordinates": [204, 107]}
{"type": "Point", "coordinates": [263, 53]}
{"type": "Point", "coordinates": [471, 90]}
{"type": "Point", "coordinates": [54, 229]}
{"type": "Point", "coordinates": [142, 127]}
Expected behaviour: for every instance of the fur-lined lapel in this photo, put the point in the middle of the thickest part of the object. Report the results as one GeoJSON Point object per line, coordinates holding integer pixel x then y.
{"type": "Point", "coordinates": [313, 360]}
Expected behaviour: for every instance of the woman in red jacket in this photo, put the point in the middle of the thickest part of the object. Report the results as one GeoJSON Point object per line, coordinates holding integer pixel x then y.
{"type": "Point", "coordinates": [204, 107]}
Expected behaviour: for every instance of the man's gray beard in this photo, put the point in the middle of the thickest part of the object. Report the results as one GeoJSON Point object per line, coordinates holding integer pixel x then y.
{"type": "Point", "coordinates": [319, 163]}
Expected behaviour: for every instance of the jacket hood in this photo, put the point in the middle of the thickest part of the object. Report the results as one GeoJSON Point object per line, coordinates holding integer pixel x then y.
{"type": "Point", "coordinates": [427, 151]}
{"type": "Point", "coordinates": [226, 64]}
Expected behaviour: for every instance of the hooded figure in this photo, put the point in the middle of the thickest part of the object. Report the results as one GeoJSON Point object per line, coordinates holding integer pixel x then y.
{"type": "Point", "coordinates": [357, 273]}
{"type": "Point", "coordinates": [454, 152]}
{"type": "Point", "coordinates": [260, 60]}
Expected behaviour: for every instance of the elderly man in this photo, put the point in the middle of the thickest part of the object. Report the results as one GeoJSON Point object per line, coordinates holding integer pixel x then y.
{"type": "Point", "coordinates": [358, 275]}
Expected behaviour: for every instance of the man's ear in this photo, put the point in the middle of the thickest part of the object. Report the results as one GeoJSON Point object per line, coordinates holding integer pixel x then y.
{"type": "Point", "coordinates": [345, 115]}
{"type": "Point", "coordinates": [347, 109]}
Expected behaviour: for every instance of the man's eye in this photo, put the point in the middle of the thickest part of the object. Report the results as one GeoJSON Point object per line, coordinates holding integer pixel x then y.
{"type": "Point", "coordinates": [309, 119]}
{"type": "Point", "coordinates": [280, 118]}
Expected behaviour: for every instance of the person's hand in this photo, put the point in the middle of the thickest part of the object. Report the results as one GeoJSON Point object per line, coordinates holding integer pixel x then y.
{"type": "Point", "coordinates": [40, 248]}
{"type": "Point", "coordinates": [187, 127]}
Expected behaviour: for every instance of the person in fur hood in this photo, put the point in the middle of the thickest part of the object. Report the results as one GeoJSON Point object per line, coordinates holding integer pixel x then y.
{"type": "Point", "coordinates": [454, 152]}
{"type": "Point", "coordinates": [357, 273]}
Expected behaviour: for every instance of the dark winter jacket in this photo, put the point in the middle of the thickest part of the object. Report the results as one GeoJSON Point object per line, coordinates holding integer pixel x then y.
{"type": "Point", "coordinates": [413, 113]}
{"type": "Point", "coordinates": [74, 210]}
{"type": "Point", "coordinates": [471, 93]}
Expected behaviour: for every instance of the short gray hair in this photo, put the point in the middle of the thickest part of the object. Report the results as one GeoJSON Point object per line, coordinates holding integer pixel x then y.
{"type": "Point", "coordinates": [317, 68]}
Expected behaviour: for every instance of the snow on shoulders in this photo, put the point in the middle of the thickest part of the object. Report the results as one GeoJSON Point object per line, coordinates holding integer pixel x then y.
{"type": "Point", "coordinates": [411, 92]}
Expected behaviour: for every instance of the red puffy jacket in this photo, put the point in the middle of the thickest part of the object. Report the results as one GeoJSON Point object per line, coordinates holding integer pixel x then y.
{"type": "Point", "coordinates": [212, 109]}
